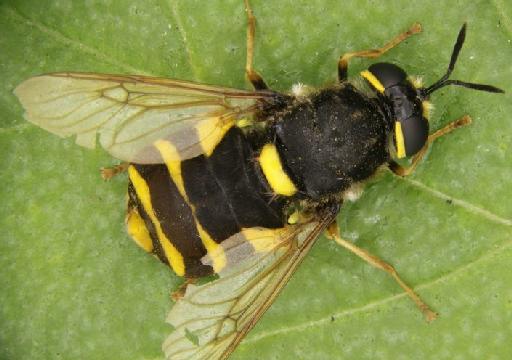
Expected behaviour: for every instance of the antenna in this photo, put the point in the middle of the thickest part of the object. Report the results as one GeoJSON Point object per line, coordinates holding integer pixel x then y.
{"type": "Point", "coordinates": [444, 81]}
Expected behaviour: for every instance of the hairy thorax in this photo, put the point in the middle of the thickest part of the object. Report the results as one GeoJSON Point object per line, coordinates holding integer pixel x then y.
{"type": "Point", "coordinates": [332, 139]}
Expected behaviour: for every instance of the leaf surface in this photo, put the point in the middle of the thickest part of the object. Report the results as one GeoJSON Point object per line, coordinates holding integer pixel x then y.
{"type": "Point", "coordinates": [73, 285]}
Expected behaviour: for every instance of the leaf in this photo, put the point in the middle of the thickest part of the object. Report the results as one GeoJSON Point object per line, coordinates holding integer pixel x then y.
{"type": "Point", "coordinates": [73, 285]}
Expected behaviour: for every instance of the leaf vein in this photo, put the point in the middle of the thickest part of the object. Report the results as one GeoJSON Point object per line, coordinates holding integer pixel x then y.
{"type": "Point", "coordinates": [464, 204]}
{"type": "Point", "coordinates": [72, 42]}
{"type": "Point", "coordinates": [19, 127]}
{"type": "Point", "coordinates": [375, 304]}
{"type": "Point", "coordinates": [179, 23]}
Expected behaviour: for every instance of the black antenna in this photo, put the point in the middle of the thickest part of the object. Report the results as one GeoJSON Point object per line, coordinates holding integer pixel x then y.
{"type": "Point", "coordinates": [444, 80]}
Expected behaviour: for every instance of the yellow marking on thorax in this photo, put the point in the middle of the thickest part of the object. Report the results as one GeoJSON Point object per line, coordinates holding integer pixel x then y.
{"type": "Point", "coordinates": [373, 80]}
{"type": "Point", "coordinates": [138, 231]}
{"type": "Point", "coordinates": [168, 152]}
{"type": "Point", "coordinates": [293, 218]}
{"type": "Point", "coordinates": [210, 133]}
{"type": "Point", "coordinates": [142, 189]}
{"type": "Point", "coordinates": [272, 168]}
{"type": "Point", "coordinates": [244, 123]}
{"type": "Point", "coordinates": [416, 81]}
{"type": "Point", "coordinates": [399, 137]}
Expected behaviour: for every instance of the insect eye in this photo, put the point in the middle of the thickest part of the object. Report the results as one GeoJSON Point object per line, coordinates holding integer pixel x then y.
{"type": "Point", "coordinates": [388, 74]}
{"type": "Point", "coordinates": [410, 135]}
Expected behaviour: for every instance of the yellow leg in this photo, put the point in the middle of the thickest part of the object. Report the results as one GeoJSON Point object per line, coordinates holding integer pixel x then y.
{"type": "Point", "coordinates": [255, 78]}
{"type": "Point", "coordinates": [333, 233]}
{"type": "Point", "coordinates": [108, 173]}
{"type": "Point", "coordinates": [374, 53]}
{"type": "Point", "coordinates": [405, 171]}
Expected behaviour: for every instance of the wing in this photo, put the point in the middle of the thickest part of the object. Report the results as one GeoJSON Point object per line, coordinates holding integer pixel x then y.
{"type": "Point", "coordinates": [211, 319]}
{"type": "Point", "coordinates": [128, 114]}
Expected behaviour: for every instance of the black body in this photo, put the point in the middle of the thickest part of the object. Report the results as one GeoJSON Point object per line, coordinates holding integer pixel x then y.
{"type": "Point", "coordinates": [334, 138]}
{"type": "Point", "coordinates": [325, 142]}
{"type": "Point", "coordinates": [226, 192]}
{"type": "Point", "coordinates": [315, 148]}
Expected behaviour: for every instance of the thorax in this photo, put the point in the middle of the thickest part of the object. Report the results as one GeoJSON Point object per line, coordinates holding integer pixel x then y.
{"type": "Point", "coordinates": [331, 139]}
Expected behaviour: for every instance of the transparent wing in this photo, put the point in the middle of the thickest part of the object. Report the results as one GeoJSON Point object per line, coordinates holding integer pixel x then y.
{"type": "Point", "coordinates": [211, 319]}
{"type": "Point", "coordinates": [128, 114]}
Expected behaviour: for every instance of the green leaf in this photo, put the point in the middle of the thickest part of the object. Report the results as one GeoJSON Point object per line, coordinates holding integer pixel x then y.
{"type": "Point", "coordinates": [73, 285]}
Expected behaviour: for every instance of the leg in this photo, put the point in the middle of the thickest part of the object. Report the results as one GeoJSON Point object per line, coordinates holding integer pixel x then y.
{"type": "Point", "coordinates": [108, 173]}
{"type": "Point", "coordinates": [405, 171]}
{"type": "Point", "coordinates": [374, 53]}
{"type": "Point", "coordinates": [333, 233]}
{"type": "Point", "coordinates": [255, 78]}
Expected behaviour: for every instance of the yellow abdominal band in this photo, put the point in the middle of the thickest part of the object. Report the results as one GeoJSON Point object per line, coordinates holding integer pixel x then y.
{"type": "Point", "coordinates": [272, 168]}
{"type": "Point", "coordinates": [172, 254]}
{"type": "Point", "coordinates": [169, 152]}
{"type": "Point", "coordinates": [138, 230]}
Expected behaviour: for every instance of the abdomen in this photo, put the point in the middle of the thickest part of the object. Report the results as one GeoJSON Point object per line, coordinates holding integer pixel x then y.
{"type": "Point", "coordinates": [180, 211]}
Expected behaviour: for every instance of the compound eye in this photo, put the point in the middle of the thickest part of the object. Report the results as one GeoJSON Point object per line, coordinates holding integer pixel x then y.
{"type": "Point", "coordinates": [410, 135]}
{"type": "Point", "coordinates": [387, 74]}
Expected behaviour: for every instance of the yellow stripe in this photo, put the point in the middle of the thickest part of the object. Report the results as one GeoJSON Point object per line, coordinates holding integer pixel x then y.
{"type": "Point", "coordinates": [170, 154]}
{"type": "Point", "coordinates": [173, 255]}
{"type": "Point", "coordinates": [138, 230]}
{"type": "Point", "coordinates": [277, 178]}
{"type": "Point", "coordinates": [293, 218]}
{"type": "Point", "coordinates": [263, 239]}
{"type": "Point", "coordinates": [215, 251]}
{"type": "Point", "coordinates": [244, 123]}
{"type": "Point", "coordinates": [416, 81]}
{"type": "Point", "coordinates": [373, 80]}
{"type": "Point", "coordinates": [399, 138]}
{"type": "Point", "coordinates": [211, 131]}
